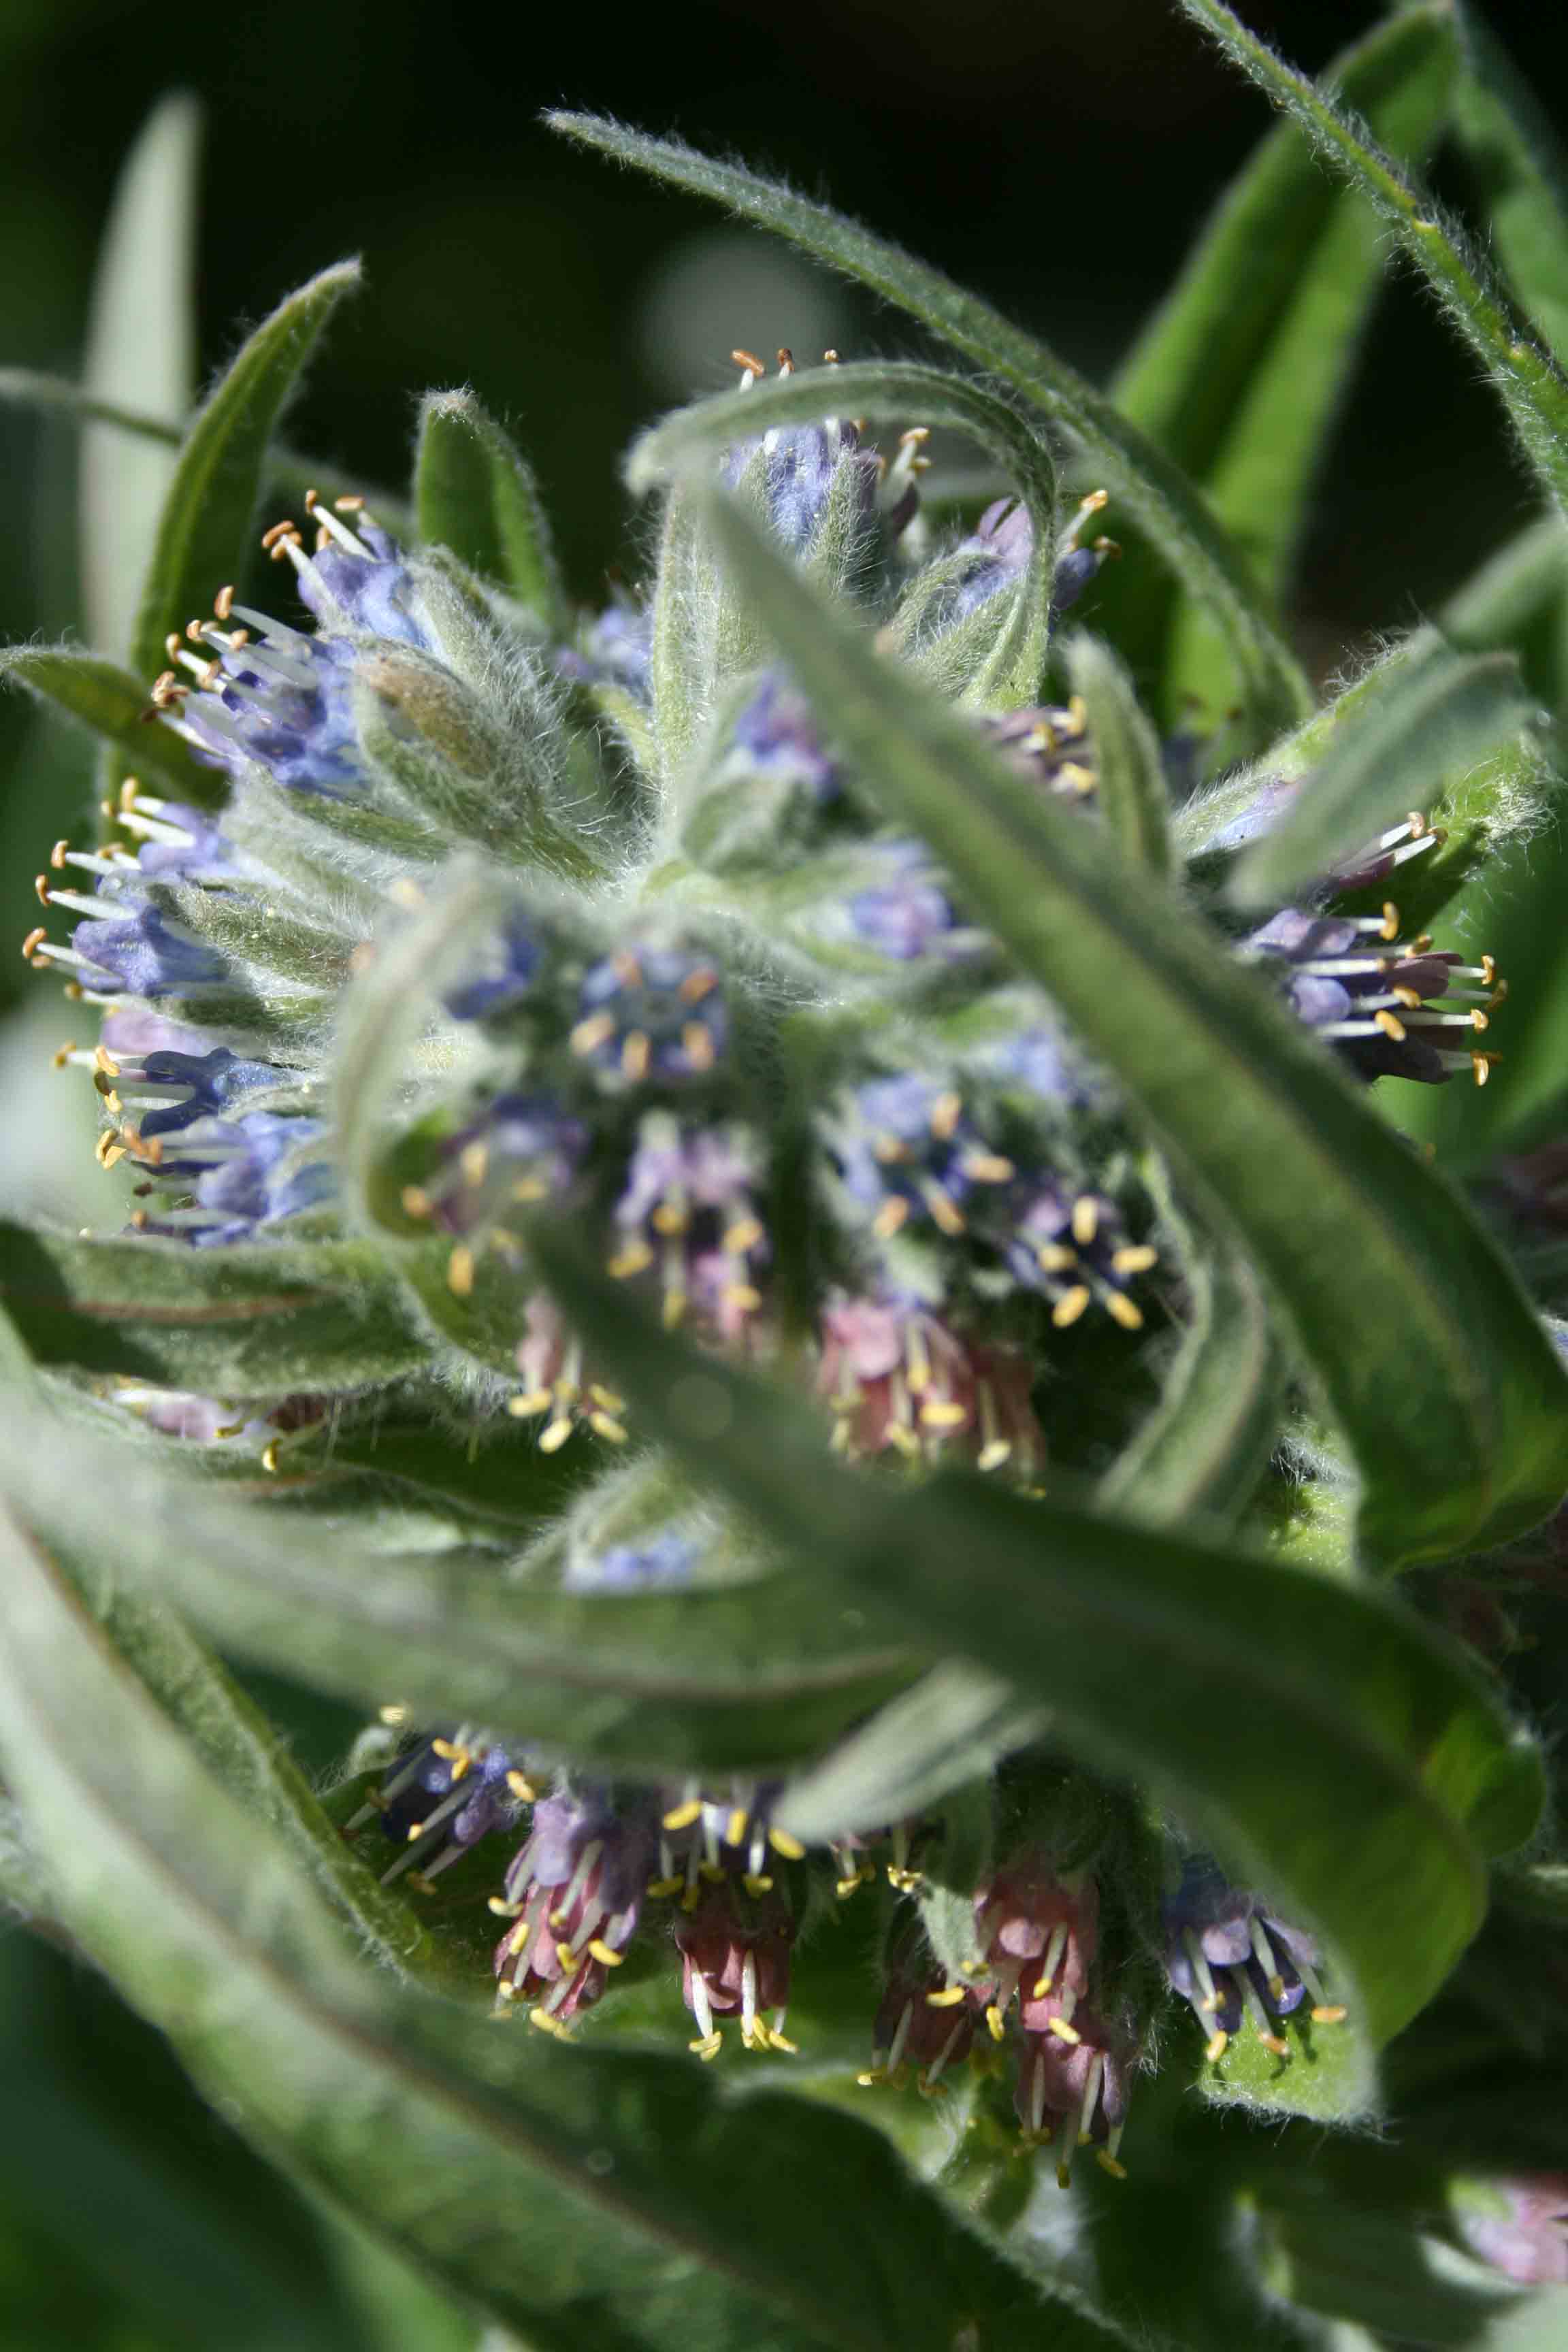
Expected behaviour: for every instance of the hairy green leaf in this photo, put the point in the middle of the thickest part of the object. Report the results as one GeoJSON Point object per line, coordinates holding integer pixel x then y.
{"type": "Point", "coordinates": [952, 1727]}
{"type": "Point", "coordinates": [1314, 1728]}
{"type": "Point", "coordinates": [257, 1320]}
{"type": "Point", "coordinates": [1439, 717]}
{"type": "Point", "coordinates": [1128, 767]}
{"type": "Point", "coordinates": [1239, 374]}
{"type": "Point", "coordinates": [739, 1678]}
{"type": "Point", "coordinates": [896, 392]}
{"type": "Point", "coordinates": [1520, 170]}
{"type": "Point", "coordinates": [1431, 1355]}
{"type": "Point", "coordinates": [99, 694]}
{"type": "Point", "coordinates": [589, 2192]}
{"type": "Point", "coordinates": [212, 501]}
{"type": "Point", "coordinates": [1532, 386]}
{"type": "Point", "coordinates": [475, 493]}
{"type": "Point", "coordinates": [1154, 488]}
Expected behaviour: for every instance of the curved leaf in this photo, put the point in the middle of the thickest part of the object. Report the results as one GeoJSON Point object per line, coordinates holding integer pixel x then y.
{"type": "Point", "coordinates": [1435, 721]}
{"type": "Point", "coordinates": [1239, 374]}
{"type": "Point", "coordinates": [589, 2193]}
{"type": "Point", "coordinates": [255, 1319]}
{"type": "Point", "coordinates": [100, 695]}
{"type": "Point", "coordinates": [1314, 1728]}
{"type": "Point", "coordinates": [741, 1678]}
{"type": "Point", "coordinates": [1532, 386]}
{"type": "Point", "coordinates": [1155, 489]}
{"type": "Point", "coordinates": [1521, 172]}
{"type": "Point", "coordinates": [212, 501]}
{"type": "Point", "coordinates": [894, 391]}
{"type": "Point", "coordinates": [1436, 1364]}
{"type": "Point", "coordinates": [474, 492]}
{"type": "Point", "coordinates": [952, 1727]}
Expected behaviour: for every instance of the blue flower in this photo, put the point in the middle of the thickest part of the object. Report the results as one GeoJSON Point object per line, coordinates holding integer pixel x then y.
{"type": "Point", "coordinates": [574, 1895]}
{"type": "Point", "coordinates": [1229, 1955]}
{"type": "Point", "coordinates": [615, 649]}
{"type": "Point", "coordinates": [240, 1175]}
{"type": "Point", "coordinates": [776, 734]}
{"type": "Point", "coordinates": [508, 966]}
{"type": "Point", "coordinates": [175, 1090]}
{"type": "Point", "coordinates": [687, 1213]}
{"type": "Point", "coordinates": [143, 952]}
{"type": "Point", "coordinates": [1390, 1007]}
{"type": "Point", "coordinates": [441, 1797]}
{"type": "Point", "coordinates": [910, 915]}
{"type": "Point", "coordinates": [908, 1152]}
{"type": "Point", "coordinates": [651, 1013]}
{"type": "Point", "coordinates": [1074, 1250]}
{"type": "Point", "coordinates": [658, 1563]}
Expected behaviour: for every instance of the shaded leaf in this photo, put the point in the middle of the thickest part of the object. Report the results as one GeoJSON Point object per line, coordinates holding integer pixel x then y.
{"type": "Point", "coordinates": [98, 693]}
{"type": "Point", "coordinates": [222, 465]}
{"type": "Point", "coordinates": [474, 492]}
{"type": "Point", "coordinates": [1447, 1386]}
{"type": "Point", "coordinates": [952, 1727]}
{"type": "Point", "coordinates": [1354, 1760]}
{"type": "Point", "coordinates": [582, 2192]}
{"type": "Point", "coordinates": [1532, 388]}
{"type": "Point", "coordinates": [1128, 770]}
{"type": "Point", "coordinates": [1520, 170]}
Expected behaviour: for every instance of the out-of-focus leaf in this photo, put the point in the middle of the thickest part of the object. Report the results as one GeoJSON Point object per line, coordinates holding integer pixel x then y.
{"type": "Point", "coordinates": [1128, 770]}
{"type": "Point", "coordinates": [1532, 388]}
{"type": "Point", "coordinates": [474, 492]}
{"type": "Point", "coordinates": [1438, 719]}
{"type": "Point", "coordinates": [1239, 373]}
{"type": "Point", "coordinates": [951, 1726]}
{"type": "Point", "coordinates": [583, 2192]}
{"type": "Point", "coordinates": [258, 1319]}
{"type": "Point", "coordinates": [1520, 170]}
{"type": "Point", "coordinates": [99, 695]}
{"type": "Point", "coordinates": [142, 352]}
{"type": "Point", "coordinates": [1316, 1729]}
{"type": "Point", "coordinates": [740, 1678]}
{"type": "Point", "coordinates": [211, 504]}
{"type": "Point", "coordinates": [1180, 523]}
{"type": "Point", "coordinates": [894, 391]}
{"type": "Point", "coordinates": [1445, 1384]}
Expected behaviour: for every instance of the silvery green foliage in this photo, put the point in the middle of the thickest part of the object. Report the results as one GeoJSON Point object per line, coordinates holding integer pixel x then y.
{"type": "Point", "coordinates": [766, 1221]}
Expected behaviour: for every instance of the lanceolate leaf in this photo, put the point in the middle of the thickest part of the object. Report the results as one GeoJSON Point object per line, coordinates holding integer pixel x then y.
{"type": "Point", "coordinates": [574, 2195]}
{"type": "Point", "coordinates": [222, 466]}
{"type": "Point", "coordinates": [1239, 374]}
{"type": "Point", "coordinates": [894, 392]}
{"type": "Point", "coordinates": [475, 493]}
{"type": "Point", "coordinates": [1532, 386]}
{"type": "Point", "coordinates": [1434, 1362]}
{"type": "Point", "coordinates": [99, 694]}
{"type": "Point", "coordinates": [253, 1320]}
{"type": "Point", "coordinates": [949, 1728]}
{"type": "Point", "coordinates": [1153, 486]}
{"type": "Point", "coordinates": [1312, 1726]}
{"type": "Point", "coordinates": [1522, 173]}
{"type": "Point", "coordinates": [739, 1679]}
{"type": "Point", "coordinates": [1439, 717]}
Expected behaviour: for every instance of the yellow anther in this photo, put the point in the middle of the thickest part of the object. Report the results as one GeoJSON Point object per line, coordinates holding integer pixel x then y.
{"type": "Point", "coordinates": [744, 1235]}
{"type": "Point", "coordinates": [940, 1413]}
{"type": "Point", "coordinates": [777, 2041]}
{"type": "Point", "coordinates": [1218, 2043]}
{"type": "Point", "coordinates": [697, 984]}
{"type": "Point", "coordinates": [680, 1817]}
{"type": "Point", "coordinates": [945, 1114]}
{"type": "Point", "coordinates": [789, 1846]}
{"type": "Point", "coordinates": [948, 1998]}
{"type": "Point", "coordinates": [1389, 928]}
{"type": "Point", "coordinates": [1055, 1257]}
{"type": "Point", "coordinates": [1123, 1310]}
{"type": "Point", "coordinates": [697, 1041]}
{"type": "Point", "coordinates": [944, 1212]}
{"type": "Point", "coordinates": [661, 1887]}
{"type": "Point", "coordinates": [708, 2046]}
{"type": "Point", "coordinates": [757, 1881]}
{"type": "Point", "coordinates": [531, 1402]}
{"type": "Point", "coordinates": [1137, 1258]}
{"type": "Point", "coordinates": [552, 1438]}
{"type": "Point", "coordinates": [1085, 1219]}
{"type": "Point", "coordinates": [35, 938]}
{"type": "Point", "coordinates": [753, 366]}
{"type": "Point", "coordinates": [548, 2024]}
{"type": "Point", "coordinates": [1330, 2014]}
{"type": "Point", "coordinates": [590, 1034]}
{"type": "Point", "coordinates": [997, 2025]}
{"type": "Point", "coordinates": [988, 1168]}
{"type": "Point", "coordinates": [566, 1956]}
{"type": "Point", "coordinates": [636, 1258]}
{"type": "Point", "coordinates": [501, 1909]}
{"type": "Point", "coordinates": [1069, 1307]}
{"type": "Point", "coordinates": [474, 1160]}
{"type": "Point", "coordinates": [1077, 777]}
{"type": "Point", "coordinates": [269, 1458]}
{"type": "Point", "coordinates": [894, 1213]}
{"type": "Point", "coordinates": [416, 1202]}
{"type": "Point", "coordinates": [391, 1715]}
{"type": "Point", "coordinates": [637, 1052]}
{"type": "Point", "coordinates": [1108, 2163]}
{"type": "Point", "coordinates": [735, 1827]}
{"type": "Point", "coordinates": [1064, 2032]}
{"type": "Point", "coordinates": [1391, 1025]}
{"type": "Point", "coordinates": [521, 1788]}
{"type": "Point", "coordinates": [604, 1425]}
{"type": "Point", "coordinates": [1273, 2042]}
{"type": "Point", "coordinates": [416, 1831]}
{"type": "Point", "coordinates": [460, 1271]}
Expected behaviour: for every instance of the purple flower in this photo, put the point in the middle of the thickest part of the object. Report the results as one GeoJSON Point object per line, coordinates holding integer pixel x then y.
{"type": "Point", "coordinates": [1074, 1250]}
{"type": "Point", "coordinates": [144, 952]}
{"type": "Point", "coordinates": [442, 1796]}
{"type": "Point", "coordinates": [1039, 1062]}
{"type": "Point", "coordinates": [650, 1013]}
{"type": "Point", "coordinates": [232, 1177]}
{"type": "Point", "coordinates": [1049, 743]}
{"type": "Point", "coordinates": [1519, 2226]}
{"type": "Point", "coordinates": [910, 915]}
{"type": "Point", "coordinates": [173, 1090]}
{"type": "Point", "coordinates": [687, 1214]}
{"type": "Point", "coordinates": [908, 1153]}
{"type": "Point", "coordinates": [1230, 1956]}
{"type": "Point", "coordinates": [615, 649]}
{"type": "Point", "coordinates": [1392, 1006]}
{"type": "Point", "coordinates": [574, 1893]}
{"type": "Point", "coordinates": [776, 734]}
{"type": "Point", "coordinates": [897, 1377]}
{"type": "Point", "coordinates": [508, 965]}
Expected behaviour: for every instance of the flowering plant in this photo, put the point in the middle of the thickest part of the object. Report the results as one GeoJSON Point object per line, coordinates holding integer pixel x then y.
{"type": "Point", "coordinates": [770, 1223]}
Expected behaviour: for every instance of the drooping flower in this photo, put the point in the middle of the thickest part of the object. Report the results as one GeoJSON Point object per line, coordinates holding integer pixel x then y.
{"type": "Point", "coordinates": [1231, 1958]}
{"type": "Point", "coordinates": [688, 1214]}
{"type": "Point", "coordinates": [1082, 2081]}
{"type": "Point", "coordinates": [574, 1894]}
{"type": "Point", "coordinates": [1076, 1251]}
{"type": "Point", "coordinates": [229, 1179]}
{"type": "Point", "coordinates": [1519, 2225]}
{"type": "Point", "coordinates": [910, 1156]}
{"type": "Point", "coordinates": [442, 1796]}
{"type": "Point", "coordinates": [922, 2018]}
{"type": "Point", "coordinates": [558, 1390]}
{"type": "Point", "coordinates": [895, 1375]}
{"type": "Point", "coordinates": [1393, 1007]}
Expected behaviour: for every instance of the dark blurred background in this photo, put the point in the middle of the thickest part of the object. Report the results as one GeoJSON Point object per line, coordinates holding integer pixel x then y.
{"type": "Point", "coordinates": [1057, 156]}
